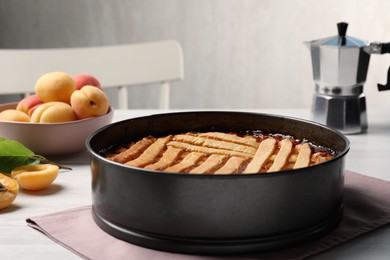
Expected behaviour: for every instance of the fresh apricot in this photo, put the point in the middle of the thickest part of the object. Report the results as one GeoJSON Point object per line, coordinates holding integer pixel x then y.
{"type": "Point", "coordinates": [55, 86]}
{"type": "Point", "coordinates": [53, 112]}
{"type": "Point", "coordinates": [9, 189]}
{"type": "Point", "coordinates": [26, 104]}
{"type": "Point", "coordinates": [14, 115]}
{"type": "Point", "coordinates": [82, 80]}
{"type": "Point", "coordinates": [89, 101]}
{"type": "Point", "coordinates": [35, 177]}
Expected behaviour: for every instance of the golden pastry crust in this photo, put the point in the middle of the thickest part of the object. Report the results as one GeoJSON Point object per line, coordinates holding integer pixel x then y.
{"type": "Point", "coordinates": [220, 153]}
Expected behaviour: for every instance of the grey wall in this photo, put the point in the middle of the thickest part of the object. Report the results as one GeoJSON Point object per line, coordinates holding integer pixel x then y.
{"type": "Point", "coordinates": [238, 53]}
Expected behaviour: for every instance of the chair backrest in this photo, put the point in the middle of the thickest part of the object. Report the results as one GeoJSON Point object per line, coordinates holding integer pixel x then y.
{"type": "Point", "coordinates": [116, 66]}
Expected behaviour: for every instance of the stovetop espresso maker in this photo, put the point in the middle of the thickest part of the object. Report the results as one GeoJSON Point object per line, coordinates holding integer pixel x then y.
{"type": "Point", "coordinates": [340, 65]}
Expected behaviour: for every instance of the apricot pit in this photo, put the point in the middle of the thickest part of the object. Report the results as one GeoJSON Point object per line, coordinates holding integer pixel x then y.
{"type": "Point", "coordinates": [9, 189]}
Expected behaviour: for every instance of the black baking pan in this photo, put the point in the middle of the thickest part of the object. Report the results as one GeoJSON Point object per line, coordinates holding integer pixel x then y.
{"type": "Point", "coordinates": [216, 214]}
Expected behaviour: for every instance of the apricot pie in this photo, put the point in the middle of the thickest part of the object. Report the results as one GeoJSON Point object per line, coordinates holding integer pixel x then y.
{"type": "Point", "coordinates": [220, 153]}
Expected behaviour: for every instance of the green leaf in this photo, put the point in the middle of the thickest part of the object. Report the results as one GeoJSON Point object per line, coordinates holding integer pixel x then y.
{"type": "Point", "coordinates": [13, 148]}
{"type": "Point", "coordinates": [14, 154]}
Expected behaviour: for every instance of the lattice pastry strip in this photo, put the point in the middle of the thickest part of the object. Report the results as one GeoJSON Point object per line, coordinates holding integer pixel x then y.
{"type": "Point", "coordinates": [248, 140]}
{"type": "Point", "coordinates": [170, 156]}
{"type": "Point", "coordinates": [134, 151]}
{"type": "Point", "coordinates": [212, 143]}
{"type": "Point", "coordinates": [232, 166]}
{"type": "Point", "coordinates": [265, 150]}
{"type": "Point", "coordinates": [304, 156]}
{"type": "Point", "coordinates": [207, 150]}
{"type": "Point", "coordinates": [212, 163]}
{"type": "Point", "coordinates": [187, 163]}
{"type": "Point", "coordinates": [150, 153]}
{"type": "Point", "coordinates": [281, 158]}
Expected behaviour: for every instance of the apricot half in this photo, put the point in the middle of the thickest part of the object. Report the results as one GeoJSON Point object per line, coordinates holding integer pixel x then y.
{"type": "Point", "coordinates": [9, 189]}
{"type": "Point", "coordinates": [35, 177]}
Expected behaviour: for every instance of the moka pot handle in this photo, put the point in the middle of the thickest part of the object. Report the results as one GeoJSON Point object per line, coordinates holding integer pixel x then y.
{"type": "Point", "coordinates": [387, 85]}
{"type": "Point", "coordinates": [377, 48]}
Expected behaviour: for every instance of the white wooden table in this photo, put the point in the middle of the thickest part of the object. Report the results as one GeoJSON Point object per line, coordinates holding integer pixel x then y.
{"type": "Point", "coordinates": [369, 154]}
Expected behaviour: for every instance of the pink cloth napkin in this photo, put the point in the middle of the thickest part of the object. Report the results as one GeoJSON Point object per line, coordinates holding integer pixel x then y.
{"type": "Point", "coordinates": [366, 202]}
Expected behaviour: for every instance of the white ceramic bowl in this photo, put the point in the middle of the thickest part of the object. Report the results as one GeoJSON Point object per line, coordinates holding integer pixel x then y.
{"type": "Point", "coordinates": [55, 138]}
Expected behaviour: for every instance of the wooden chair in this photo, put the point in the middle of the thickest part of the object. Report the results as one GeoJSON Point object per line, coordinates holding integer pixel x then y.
{"type": "Point", "coordinates": [116, 66]}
